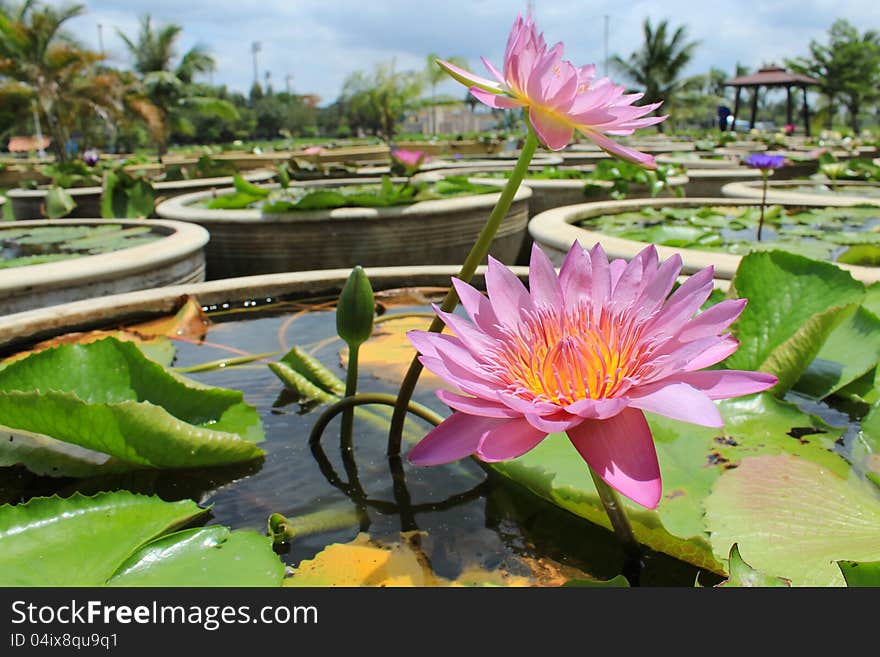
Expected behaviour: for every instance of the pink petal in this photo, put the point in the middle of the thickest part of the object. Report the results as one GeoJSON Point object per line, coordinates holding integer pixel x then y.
{"type": "Point", "coordinates": [576, 276]}
{"type": "Point", "coordinates": [462, 378]}
{"type": "Point", "coordinates": [618, 150]}
{"type": "Point", "coordinates": [561, 421]}
{"type": "Point", "coordinates": [621, 451]}
{"type": "Point", "coordinates": [713, 320]}
{"type": "Point", "coordinates": [659, 286]}
{"type": "Point", "coordinates": [471, 337]}
{"type": "Point", "coordinates": [509, 441]}
{"type": "Point", "coordinates": [617, 268]}
{"type": "Point", "coordinates": [457, 436]}
{"type": "Point", "coordinates": [493, 71]}
{"type": "Point", "coordinates": [684, 302]}
{"type": "Point", "coordinates": [543, 281]}
{"type": "Point", "coordinates": [678, 401]}
{"type": "Point", "coordinates": [723, 384]}
{"type": "Point", "coordinates": [493, 99]}
{"type": "Point", "coordinates": [524, 406]}
{"type": "Point", "coordinates": [554, 133]}
{"type": "Point", "coordinates": [477, 306]}
{"type": "Point", "coordinates": [597, 409]}
{"type": "Point", "coordinates": [507, 294]}
{"type": "Point", "coordinates": [468, 79]}
{"type": "Point", "coordinates": [634, 277]}
{"type": "Point", "coordinates": [476, 405]}
{"type": "Point", "coordinates": [714, 354]}
{"type": "Point", "coordinates": [447, 348]}
{"type": "Point", "coordinates": [601, 277]}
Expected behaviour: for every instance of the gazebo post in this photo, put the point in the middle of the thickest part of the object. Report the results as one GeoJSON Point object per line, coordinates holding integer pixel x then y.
{"type": "Point", "coordinates": [754, 107]}
{"type": "Point", "coordinates": [806, 113]}
{"type": "Point", "coordinates": [735, 109]}
{"type": "Point", "coordinates": [788, 120]}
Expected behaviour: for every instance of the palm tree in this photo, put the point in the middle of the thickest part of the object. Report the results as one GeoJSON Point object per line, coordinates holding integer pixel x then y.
{"type": "Point", "coordinates": [40, 63]}
{"type": "Point", "coordinates": [657, 66]}
{"type": "Point", "coordinates": [435, 75]}
{"type": "Point", "coordinates": [169, 85]}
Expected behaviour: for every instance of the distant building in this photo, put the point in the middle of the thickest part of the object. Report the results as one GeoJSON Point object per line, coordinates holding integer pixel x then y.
{"type": "Point", "coordinates": [454, 118]}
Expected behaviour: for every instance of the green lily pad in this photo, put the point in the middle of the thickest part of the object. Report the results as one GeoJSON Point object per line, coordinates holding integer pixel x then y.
{"type": "Point", "coordinates": [242, 186]}
{"type": "Point", "coordinates": [123, 539]}
{"type": "Point", "coordinates": [81, 541]}
{"type": "Point", "coordinates": [793, 518]}
{"type": "Point", "coordinates": [108, 407]}
{"type": "Point", "coordinates": [692, 458]}
{"type": "Point", "coordinates": [210, 556]}
{"type": "Point", "coordinates": [59, 203]}
{"type": "Point", "coordinates": [743, 575]}
{"type": "Point", "coordinates": [860, 574]}
{"type": "Point", "coordinates": [838, 364]}
{"type": "Point", "coordinates": [794, 305]}
{"type": "Point", "coordinates": [866, 255]}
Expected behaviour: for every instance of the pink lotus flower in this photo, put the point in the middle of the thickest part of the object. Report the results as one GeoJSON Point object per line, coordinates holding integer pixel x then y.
{"type": "Point", "coordinates": [313, 150]}
{"type": "Point", "coordinates": [560, 97]}
{"type": "Point", "coordinates": [409, 159]}
{"type": "Point", "coordinates": [584, 352]}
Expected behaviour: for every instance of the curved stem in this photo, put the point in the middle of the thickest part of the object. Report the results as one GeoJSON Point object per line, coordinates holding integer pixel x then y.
{"type": "Point", "coordinates": [616, 513]}
{"type": "Point", "coordinates": [478, 253]}
{"type": "Point", "coordinates": [368, 398]}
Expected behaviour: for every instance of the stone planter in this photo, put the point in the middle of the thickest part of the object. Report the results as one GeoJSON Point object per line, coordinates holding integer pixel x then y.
{"type": "Point", "coordinates": [548, 194]}
{"type": "Point", "coordinates": [694, 160]}
{"type": "Point", "coordinates": [14, 174]}
{"type": "Point", "coordinates": [245, 242]}
{"type": "Point", "coordinates": [708, 182]}
{"type": "Point", "coordinates": [30, 203]}
{"type": "Point", "coordinates": [785, 191]}
{"type": "Point", "coordinates": [176, 258]}
{"type": "Point", "coordinates": [555, 232]}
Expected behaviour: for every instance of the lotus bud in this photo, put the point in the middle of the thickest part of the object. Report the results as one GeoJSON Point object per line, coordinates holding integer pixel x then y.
{"type": "Point", "coordinates": [354, 313]}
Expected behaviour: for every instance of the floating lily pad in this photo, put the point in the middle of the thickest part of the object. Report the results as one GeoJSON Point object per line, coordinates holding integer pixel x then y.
{"type": "Point", "coordinates": [793, 518]}
{"type": "Point", "coordinates": [123, 539]}
{"type": "Point", "coordinates": [742, 574]}
{"type": "Point", "coordinates": [794, 305]}
{"type": "Point", "coordinates": [860, 574]}
{"type": "Point", "coordinates": [108, 406]}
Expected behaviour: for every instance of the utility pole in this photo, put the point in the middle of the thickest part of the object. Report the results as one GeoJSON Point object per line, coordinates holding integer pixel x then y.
{"type": "Point", "coordinates": [101, 38]}
{"type": "Point", "coordinates": [287, 81]}
{"type": "Point", "coordinates": [255, 48]}
{"type": "Point", "coordinates": [605, 73]}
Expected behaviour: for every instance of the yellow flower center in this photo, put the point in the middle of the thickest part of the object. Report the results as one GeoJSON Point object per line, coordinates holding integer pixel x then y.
{"type": "Point", "coordinates": [563, 358]}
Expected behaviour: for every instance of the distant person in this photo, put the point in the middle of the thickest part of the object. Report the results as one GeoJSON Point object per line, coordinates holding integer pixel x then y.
{"type": "Point", "coordinates": [723, 118]}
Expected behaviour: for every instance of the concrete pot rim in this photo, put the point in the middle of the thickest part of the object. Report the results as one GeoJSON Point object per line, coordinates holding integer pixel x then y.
{"type": "Point", "coordinates": [726, 172]}
{"type": "Point", "coordinates": [179, 240]}
{"type": "Point", "coordinates": [178, 208]}
{"type": "Point", "coordinates": [33, 325]}
{"type": "Point", "coordinates": [555, 228]}
{"type": "Point", "coordinates": [776, 193]}
{"type": "Point", "coordinates": [250, 176]}
{"type": "Point", "coordinates": [542, 183]}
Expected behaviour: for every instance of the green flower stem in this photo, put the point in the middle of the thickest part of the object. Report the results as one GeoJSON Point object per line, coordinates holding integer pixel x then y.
{"type": "Point", "coordinates": [616, 513]}
{"type": "Point", "coordinates": [350, 391]}
{"type": "Point", "coordinates": [368, 398]}
{"type": "Point", "coordinates": [390, 318]}
{"type": "Point", "coordinates": [223, 362]}
{"type": "Point", "coordinates": [478, 253]}
{"type": "Point", "coordinates": [763, 203]}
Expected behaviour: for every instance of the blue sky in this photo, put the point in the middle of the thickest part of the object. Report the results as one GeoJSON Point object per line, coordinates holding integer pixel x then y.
{"type": "Point", "coordinates": [318, 42]}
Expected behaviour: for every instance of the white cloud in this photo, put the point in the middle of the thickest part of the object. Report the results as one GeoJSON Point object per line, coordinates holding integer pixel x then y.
{"type": "Point", "coordinates": [319, 42]}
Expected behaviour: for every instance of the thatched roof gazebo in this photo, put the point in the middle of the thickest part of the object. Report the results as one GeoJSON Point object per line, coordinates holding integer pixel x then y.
{"type": "Point", "coordinates": [773, 76]}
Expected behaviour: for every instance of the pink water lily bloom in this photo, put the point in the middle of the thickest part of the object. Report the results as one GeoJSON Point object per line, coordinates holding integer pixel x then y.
{"type": "Point", "coordinates": [559, 96]}
{"type": "Point", "coordinates": [585, 353]}
{"type": "Point", "coordinates": [410, 159]}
